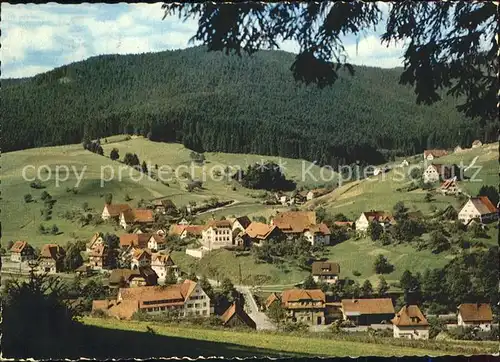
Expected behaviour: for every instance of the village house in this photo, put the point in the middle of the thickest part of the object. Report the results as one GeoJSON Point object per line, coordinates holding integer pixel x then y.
{"type": "Point", "coordinates": [187, 231]}
{"type": "Point", "coordinates": [312, 194]}
{"type": "Point", "coordinates": [128, 278]}
{"type": "Point", "coordinates": [437, 172]}
{"type": "Point", "coordinates": [51, 258]}
{"type": "Point", "coordinates": [235, 316]}
{"type": "Point", "coordinates": [140, 258]}
{"type": "Point", "coordinates": [480, 209]}
{"type": "Point", "coordinates": [98, 257]}
{"type": "Point", "coordinates": [429, 155]}
{"type": "Point", "coordinates": [163, 265]}
{"type": "Point", "coordinates": [325, 271]}
{"type": "Point", "coordinates": [21, 251]}
{"type": "Point", "coordinates": [156, 242]}
{"type": "Point", "coordinates": [477, 144]}
{"type": "Point", "coordinates": [114, 211]}
{"type": "Point", "coordinates": [302, 224]}
{"type": "Point", "coordinates": [134, 240]}
{"type": "Point", "coordinates": [257, 232]}
{"type": "Point", "coordinates": [307, 306]}
{"type": "Point", "coordinates": [184, 300]}
{"type": "Point", "coordinates": [240, 223]}
{"type": "Point", "coordinates": [141, 217]}
{"type": "Point", "coordinates": [410, 323]}
{"type": "Point", "coordinates": [165, 206]}
{"type": "Point", "coordinates": [183, 221]}
{"type": "Point", "coordinates": [458, 149]}
{"type": "Point", "coordinates": [217, 234]}
{"type": "Point", "coordinates": [450, 187]}
{"type": "Point", "coordinates": [385, 219]}
{"type": "Point", "coordinates": [94, 241]}
{"type": "Point", "coordinates": [477, 315]}
{"type": "Point", "coordinates": [349, 225]}
{"type": "Point", "coordinates": [404, 163]}
{"type": "Point", "coordinates": [367, 311]}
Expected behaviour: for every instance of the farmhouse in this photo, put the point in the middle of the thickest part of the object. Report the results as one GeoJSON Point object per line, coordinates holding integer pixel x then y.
{"type": "Point", "coordinates": [429, 155]}
{"type": "Point", "coordinates": [258, 232]}
{"type": "Point", "coordinates": [475, 315]}
{"type": "Point", "coordinates": [217, 234]}
{"type": "Point", "coordinates": [316, 193]}
{"type": "Point", "coordinates": [437, 172]}
{"type": "Point", "coordinates": [51, 259]}
{"type": "Point", "coordinates": [302, 223]}
{"type": "Point", "coordinates": [240, 223]}
{"type": "Point", "coordinates": [185, 231]}
{"type": "Point", "coordinates": [185, 299]}
{"type": "Point", "coordinates": [135, 240]}
{"type": "Point", "coordinates": [21, 251]}
{"type": "Point", "coordinates": [235, 316]}
{"type": "Point", "coordinates": [479, 209]}
{"type": "Point", "coordinates": [383, 218]}
{"type": "Point", "coordinates": [404, 163]}
{"type": "Point", "coordinates": [307, 306]}
{"type": "Point", "coordinates": [410, 323]}
{"type": "Point", "coordinates": [163, 265]}
{"type": "Point", "coordinates": [124, 278]}
{"type": "Point", "coordinates": [136, 217]}
{"type": "Point", "coordinates": [327, 272]}
{"type": "Point", "coordinates": [458, 149]}
{"type": "Point", "coordinates": [140, 258]}
{"type": "Point", "coordinates": [165, 206]}
{"type": "Point", "coordinates": [367, 311]}
{"type": "Point", "coordinates": [156, 242]}
{"type": "Point", "coordinates": [450, 187]}
{"type": "Point", "coordinates": [114, 210]}
{"type": "Point", "coordinates": [349, 225]}
{"type": "Point", "coordinates": [98, 257]}
{"type": "Point", "coordinates": [94, 241]}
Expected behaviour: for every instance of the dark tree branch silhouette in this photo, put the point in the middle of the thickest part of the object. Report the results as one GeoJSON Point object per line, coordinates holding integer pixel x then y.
{"type": "Point", "coordinates": [450, 46]}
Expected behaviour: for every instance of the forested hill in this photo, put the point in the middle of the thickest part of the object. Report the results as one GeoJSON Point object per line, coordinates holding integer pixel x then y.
{"type": "Point", "coordinates": [214, 102]}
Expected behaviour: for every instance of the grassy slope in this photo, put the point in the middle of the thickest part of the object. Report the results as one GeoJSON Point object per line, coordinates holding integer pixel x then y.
{"type": "Point", "coordinates": [21, 220]}
{"type": "Point", "coordinates": [245, 343]}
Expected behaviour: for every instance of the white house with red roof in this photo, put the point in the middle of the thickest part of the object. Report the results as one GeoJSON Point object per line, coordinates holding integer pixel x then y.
{"type": "Point", "coordinates": [478, 208]}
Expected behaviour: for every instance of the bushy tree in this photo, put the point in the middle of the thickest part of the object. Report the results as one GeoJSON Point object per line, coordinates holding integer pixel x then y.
{"type": "Point", "coordinates": [367, 289]}
{"type": "Point", "coordinates": [73, 258]}
{"type": "Point", "coordinates": [382, 265]}
{"type": "Point", "coordinates": [108, 199]}
{"type": "Point", "coordinates": [28, 198]}
{"type": "Point", "coordinates": [375, 230]}
{"type": "Point", "coordinates": [382, 287]}
{"type": "Point", "coordinates": [309, 283]}
{"type": "Point", "coordinates": [114, 154]}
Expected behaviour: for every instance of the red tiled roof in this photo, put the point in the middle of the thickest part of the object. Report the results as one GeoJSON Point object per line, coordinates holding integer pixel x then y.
{"type": "Point", "coordinates": [19, 246]}
{"type": "Point", "coordinates": [449, 183]}
{"type": "Point", "coordinates": [294, 221]}
{"type": "Point", "coordinates": [159, 295]}
{"type": "Point", "coordinates": [344, 223]}
{"type": "Point", "coordinates": [258, 230]}
{"type": "Point", "coordinates": [141, 253]}
{"type": "Point", "coordinates": [52, 251]}
{"type": "Point", "coordinates": [475, 312]}
{"type": "Point", "coordinates": [483, 205]}
{"type": "Point", "coordinates": [435, 153]}
{"type": "Point", "coordinates": [218, 224]}
{"type": "Point", "coordinates": [292, 295]}
{"type": "Point", "coordinates": [137, 240]}
{"type": "Point", "coordinates": [234, 311]}
{"type": "Point", "coordinates": [138, 216]}
{"type": "Point", "coordinates": [117, 209]}
{"type": "Point", "coordinates": [378, 216]}
{"type": "Point", "coordinates": [368, 306]}
{"type": "Point", "coordinates": [409, 316]}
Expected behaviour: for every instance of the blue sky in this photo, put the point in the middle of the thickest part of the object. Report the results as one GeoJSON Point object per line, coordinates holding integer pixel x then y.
{"type": "Point", "coordinates": [38, 38]}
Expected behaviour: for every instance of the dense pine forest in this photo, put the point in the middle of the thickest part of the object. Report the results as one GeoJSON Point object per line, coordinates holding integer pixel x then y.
{"type": "Point", "coordinates": [212, 102]}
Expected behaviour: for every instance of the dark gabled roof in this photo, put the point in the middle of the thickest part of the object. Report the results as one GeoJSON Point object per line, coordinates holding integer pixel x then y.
{"type": "Point", "coordinates": [325, 268]}
{"type": "Point", "coordinates": [237, 312]}
{"type": "Point", "coordinates": [475, 312]}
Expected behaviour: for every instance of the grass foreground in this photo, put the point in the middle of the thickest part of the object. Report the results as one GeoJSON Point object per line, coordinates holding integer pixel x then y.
{"type": "Point", "coordinates": [241, 343]}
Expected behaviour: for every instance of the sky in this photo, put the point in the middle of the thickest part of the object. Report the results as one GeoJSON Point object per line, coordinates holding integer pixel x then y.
{"type": "Point", "coordinates": [38, 38]}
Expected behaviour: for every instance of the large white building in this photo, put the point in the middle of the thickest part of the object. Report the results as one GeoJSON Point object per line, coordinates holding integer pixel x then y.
{"type": "Point", "coordinates": [478, 208]}
{"type": "Point", "coordinates": [217, 234]}
{"type": "Point", "coordinates": [184, 300]}
{"type": "Point", "coordinates": [383, 218]}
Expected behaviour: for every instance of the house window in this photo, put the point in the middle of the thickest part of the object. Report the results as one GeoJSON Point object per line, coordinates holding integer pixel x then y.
{"type": "Point", "coordinates": [197, 305]}
{"type": "Point", "coordinates": [204, 304]}
{"type": "Point", "coordinates": [204, 312]}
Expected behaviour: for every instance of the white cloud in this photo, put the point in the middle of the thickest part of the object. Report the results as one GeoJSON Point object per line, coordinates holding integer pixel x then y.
{"type": "Point", "coordinates": [370, 51]}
